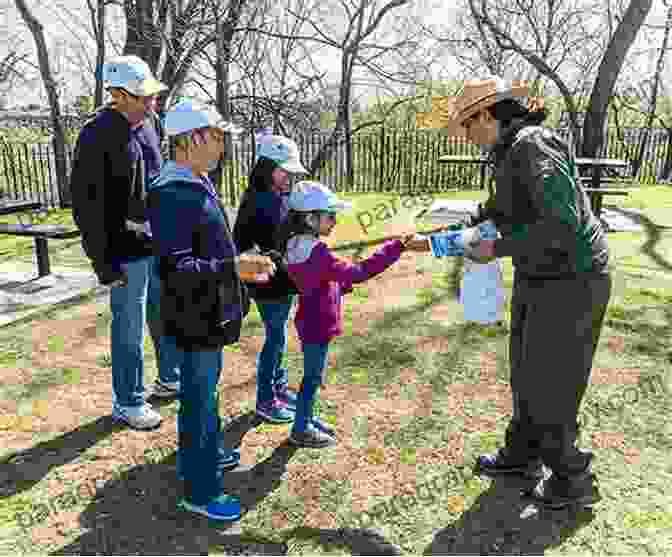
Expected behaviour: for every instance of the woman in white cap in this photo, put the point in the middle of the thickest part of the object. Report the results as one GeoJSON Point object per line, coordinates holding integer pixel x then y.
{"type": "Point", "coordinates": [262, 210]}
{"type": "Point", "coordinates": [202, 299]}
{"type": "Point", "coordinates": [561, 287]}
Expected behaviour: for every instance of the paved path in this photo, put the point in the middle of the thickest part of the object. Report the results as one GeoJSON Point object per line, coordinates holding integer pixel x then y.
{"type": "Point", "coordinates": [23, 295]}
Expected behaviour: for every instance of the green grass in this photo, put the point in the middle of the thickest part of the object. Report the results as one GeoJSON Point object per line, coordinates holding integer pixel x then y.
{"type": "Point", "coordinates": [466, 515]}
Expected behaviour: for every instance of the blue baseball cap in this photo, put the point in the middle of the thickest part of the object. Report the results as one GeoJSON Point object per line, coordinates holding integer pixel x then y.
{"type": "Point", "coordinates": [190, 115]}
{"type": "Point", "coordinates": [309, 195]}
{"type": "Point", "coordinates": [283, 151]}
{"type": "Point", "coordinates": [132, 74]}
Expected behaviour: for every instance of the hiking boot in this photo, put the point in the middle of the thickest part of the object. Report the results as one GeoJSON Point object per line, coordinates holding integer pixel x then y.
{"type": "Point", "coordinates": [286, 396]}
{"type": "Point", "coordinates": [323, 427]}
{"type": "Point", "coordinates": [223, 507]}
{"type": "Point", "coordinates": [275, 413]}
{"type": "Point", "coordinates": [556, 492]}
{"type": "Point", "coordinates": [501, 463]}
{"type": "Point", "coordinates": [312, 438]}
{"type": "Point", "coordinates": [138, 417]}
{"type": "Point", "coordinates": [166, 389]}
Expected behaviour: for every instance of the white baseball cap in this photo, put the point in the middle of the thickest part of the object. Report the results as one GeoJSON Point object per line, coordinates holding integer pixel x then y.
{"type": "Point", "coordinates": [190, 115]}
{"type": "Point", "coordinates": [308, 195]}
{"type": "Point", "coordinates": [133, 74]}
{"type": "Point", "coordinates": [283, 151]}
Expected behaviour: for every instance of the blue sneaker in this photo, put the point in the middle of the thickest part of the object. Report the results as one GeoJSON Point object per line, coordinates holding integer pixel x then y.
{"type": "Point", "coordinates": [286, 396]}
{"type": "Point", "coordinates": [275, 413]}
{"type": "Point", "coordinates": [224, 507]}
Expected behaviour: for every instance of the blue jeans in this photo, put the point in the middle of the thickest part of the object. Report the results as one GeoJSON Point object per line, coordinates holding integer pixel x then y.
{"type": "Point", "coordinates": [270, 372]}
{"type": "Point", "coordinates": [131, 305]}
{"type": "Point", "coordinates": [198, 425]}
{"type": "Point", "coordinates": [168, 356]}
{"type": "Point", "coordinates": [314, 362]}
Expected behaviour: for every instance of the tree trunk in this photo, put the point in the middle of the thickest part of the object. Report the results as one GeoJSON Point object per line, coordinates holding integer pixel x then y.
{"type": "Point", "coordinates": [610, 67]}
{"type": "Point", "coordinates": [54, 105]}
{"type": "Point", "coordinates": [99, 32]}
{"type": "Point", "coordinates": [142, 37]}
{"type": "Point", "coordinates": [224, 37]}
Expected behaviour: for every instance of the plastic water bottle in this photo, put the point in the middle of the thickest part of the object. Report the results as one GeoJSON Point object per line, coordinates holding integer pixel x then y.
{"type": "Point", "coordinates": [453, 242]}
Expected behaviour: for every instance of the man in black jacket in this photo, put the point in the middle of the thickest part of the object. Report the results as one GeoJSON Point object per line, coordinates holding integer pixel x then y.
{"type": "Point", "coordinates": [117, 153]}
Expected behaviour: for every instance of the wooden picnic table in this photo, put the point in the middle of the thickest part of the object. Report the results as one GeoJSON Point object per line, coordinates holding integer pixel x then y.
{"type": "Point", "coordinates": [595, 190]}
{"type": "Point", "coordinates": [12, 206]}
{"type": "Point", "coordinates": [41, 233]}
{"type": "Point", "coordinates": [468, 159]}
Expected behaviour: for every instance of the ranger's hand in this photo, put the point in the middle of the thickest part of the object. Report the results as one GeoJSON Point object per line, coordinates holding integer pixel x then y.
{"type": "Point", "coordinates": [481, 252]}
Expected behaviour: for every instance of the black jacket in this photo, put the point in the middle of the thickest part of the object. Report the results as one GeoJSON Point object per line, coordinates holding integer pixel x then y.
{"type": "Point", "coordinates": [259, 223]}
{"type": "Point", "coordinates": [108, 181]}
{"type": "Point", "coordinates": [541, 209]}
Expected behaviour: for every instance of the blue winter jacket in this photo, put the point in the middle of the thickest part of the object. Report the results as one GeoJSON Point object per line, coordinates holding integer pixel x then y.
{"type": "Point", "coordinates": [203, 301]}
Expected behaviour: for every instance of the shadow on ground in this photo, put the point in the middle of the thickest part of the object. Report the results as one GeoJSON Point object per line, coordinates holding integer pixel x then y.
{"type": "Point", "coordinates": [500, 523]}
{"type": "Point", "coordinates": [653, 233]}
{"type": "Point", "coordinates": [22, 470]}
{"type": "Point", "coordinates": [137, 513]}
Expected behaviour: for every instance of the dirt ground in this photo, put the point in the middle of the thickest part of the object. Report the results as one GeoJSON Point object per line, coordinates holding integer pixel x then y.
{"type": "Point", "coordinates": [87, 449]}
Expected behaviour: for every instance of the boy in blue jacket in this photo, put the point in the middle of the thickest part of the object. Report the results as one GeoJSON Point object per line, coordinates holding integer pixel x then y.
{"type": "Point", "coordinates": [203, 301]}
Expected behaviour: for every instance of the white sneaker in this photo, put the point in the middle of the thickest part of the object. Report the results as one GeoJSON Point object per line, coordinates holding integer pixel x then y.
{"type": "Point", "coordinates": [138, 417]}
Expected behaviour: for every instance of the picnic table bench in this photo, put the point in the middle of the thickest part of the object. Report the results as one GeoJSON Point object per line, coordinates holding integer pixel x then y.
{"type": "Point", "coordinates": [42, 233]}
{"type": "Point", "coordinates": [594, 182]}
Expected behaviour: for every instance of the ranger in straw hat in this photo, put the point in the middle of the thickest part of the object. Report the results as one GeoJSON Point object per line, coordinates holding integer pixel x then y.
{"type": "Point", "coordinates": [561, 285]}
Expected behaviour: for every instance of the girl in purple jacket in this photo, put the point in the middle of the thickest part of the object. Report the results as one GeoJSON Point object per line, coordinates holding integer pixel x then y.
{"type": "Point", "coordinates": [321, 279]}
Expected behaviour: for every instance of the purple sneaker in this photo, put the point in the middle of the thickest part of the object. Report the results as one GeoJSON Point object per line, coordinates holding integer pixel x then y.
{"type": "Point", "coordinates": [286, 396]}
{"type": "Point", "coordinates": [274, 412]}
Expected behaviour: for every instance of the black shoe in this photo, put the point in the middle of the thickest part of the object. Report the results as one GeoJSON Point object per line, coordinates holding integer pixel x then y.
{"type": "Point", "coordinates": [323, 427]}
{"type": "Point", "coordinates": [312, 438]}
{"type": "Point", "coordinates": [501, 463]}
{"type": "Point", "coordinates": [556, 493]}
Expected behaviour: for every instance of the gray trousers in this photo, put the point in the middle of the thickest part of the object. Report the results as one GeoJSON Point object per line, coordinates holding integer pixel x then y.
{"type": "Point", "coordinates": [555, 328]}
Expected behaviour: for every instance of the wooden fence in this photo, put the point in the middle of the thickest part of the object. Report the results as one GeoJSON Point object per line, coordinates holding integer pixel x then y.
{"type": "Point", "coordinates": [387, 160]}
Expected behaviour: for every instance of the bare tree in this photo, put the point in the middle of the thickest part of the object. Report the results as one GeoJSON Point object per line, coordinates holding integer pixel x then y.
{"type": "Point", "coordinates": [170, 34]}
{"type": "Point", "coordinates": [9, 70]}
{"type": "Point", "coordinates": [50, 85]}
{"type": "Point", "coordinates": [359, 20]}
{"type": "Point", "coordinates": [97, 10]}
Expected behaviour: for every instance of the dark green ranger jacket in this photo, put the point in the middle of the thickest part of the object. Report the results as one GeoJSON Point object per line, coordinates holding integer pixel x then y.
{"type": "Point", "coordinates": [541, 209]}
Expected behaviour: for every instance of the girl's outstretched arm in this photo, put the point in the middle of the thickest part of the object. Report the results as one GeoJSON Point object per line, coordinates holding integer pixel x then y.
{"type": "Point", "coordinates": [347, 273]}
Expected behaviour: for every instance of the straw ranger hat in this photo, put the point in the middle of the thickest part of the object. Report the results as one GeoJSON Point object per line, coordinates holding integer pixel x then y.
{"type": "Point", "coordinates": [479, 94]}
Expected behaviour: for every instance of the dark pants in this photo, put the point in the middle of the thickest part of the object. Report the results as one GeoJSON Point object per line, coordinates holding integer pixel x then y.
{"type": "Point", "coordinates": [555, 327]}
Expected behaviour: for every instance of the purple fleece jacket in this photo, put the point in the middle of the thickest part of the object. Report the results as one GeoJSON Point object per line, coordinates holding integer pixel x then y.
{"type": "Point", "coordinates": [322, 279]}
